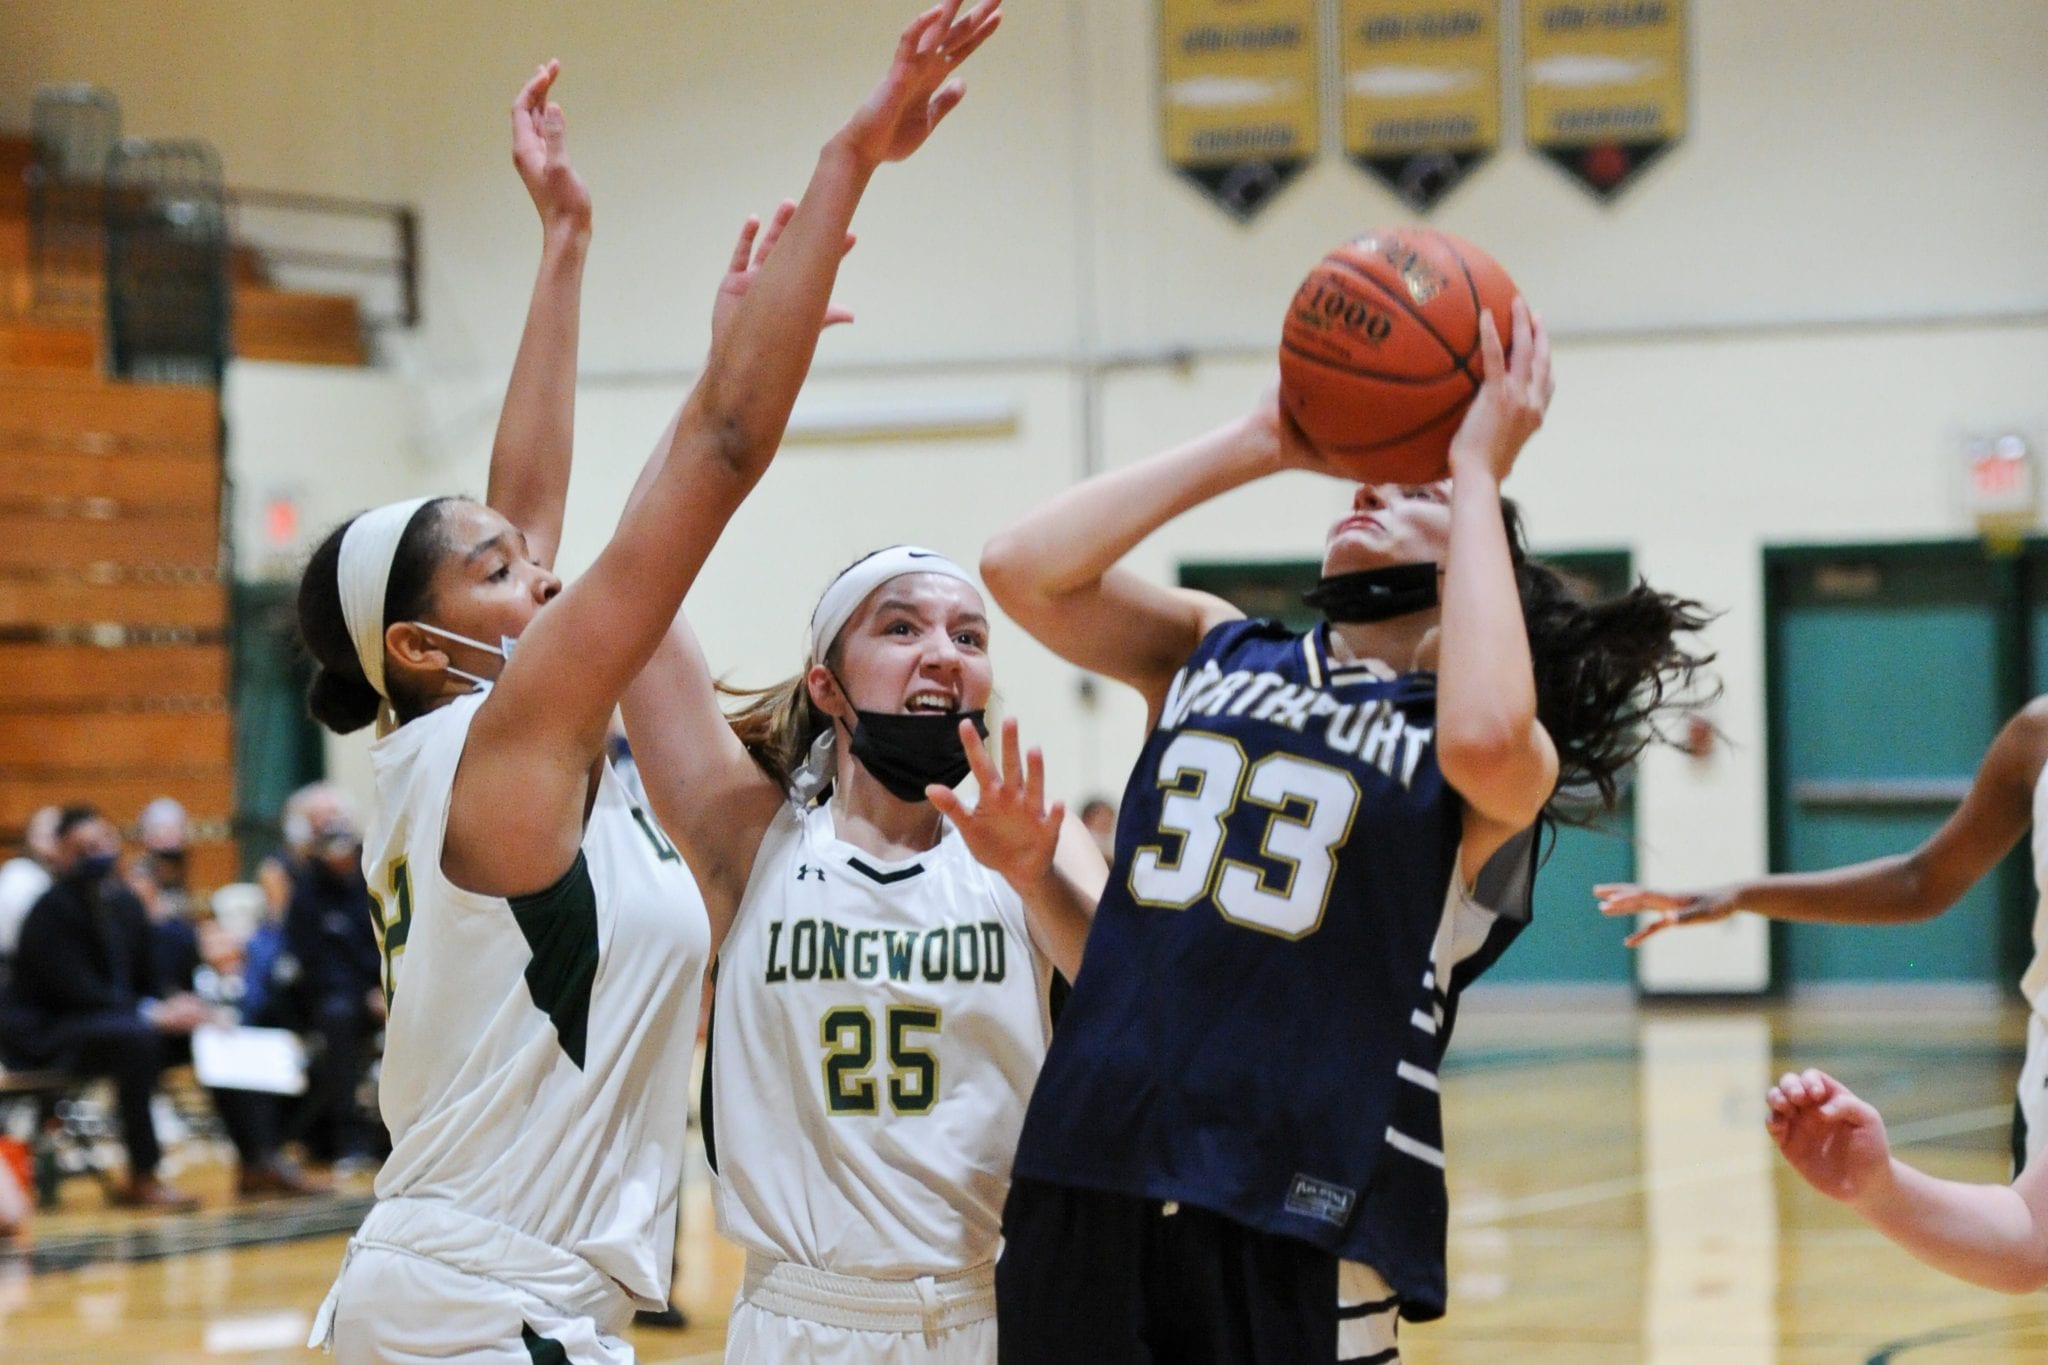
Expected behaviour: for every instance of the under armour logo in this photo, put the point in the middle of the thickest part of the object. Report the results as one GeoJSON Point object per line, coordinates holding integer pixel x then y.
{"type": "Point", "coordinates": [805, 870]}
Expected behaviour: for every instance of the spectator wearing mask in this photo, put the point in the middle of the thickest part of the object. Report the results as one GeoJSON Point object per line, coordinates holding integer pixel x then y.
{"type": "Point", "coordinates": [338, 984]}
{"type": "Point", "coordinates": [24, 879]}
{"type": "Point", "coordinates": [87, 997]}
{"type": "Point", "coordinates": [161, 879]}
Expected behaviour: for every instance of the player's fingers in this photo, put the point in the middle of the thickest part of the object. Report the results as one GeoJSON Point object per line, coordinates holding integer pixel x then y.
{"type": "Point", "coordinates": [976, 36]}
{"type": "Point", "coordinates": [945, 102]}
{"type": "Point", "coordinates": [779, 220]}
{"type": "Point", "coordinates": [913, 37]}
{"type": "Point", "coordinates": [1056, 817]}
{"type": "Point", "coordinates": [744, 251]}
{"type": "Point", "coordinates": [554, 129]}
{"type": "Point", "coordinates": [1541, 385]}
{"type": "Point", "coordinates": [1521, 351]}
{"type": "Point", "coordinates": [534, 93]}
{"type": "Point", "coordinates": [1013, 751]}
{"type": "Point", "coordinates": [1648, 931]}
{"type": "Point", "coordinates": [1034, 780]}
{"type": "Point", "coordinates": [1492, 363]}
{"type": "Point", "coordinates": [1793, 1089]}
{"type": "Point", "coordinates": [847, 250]}
{"type": "Point", "coordinates": [985, 775]}
{"type": "Point", "coordinates": [948, 802]}
{"type": "Point", "coordinates": [838, 317]}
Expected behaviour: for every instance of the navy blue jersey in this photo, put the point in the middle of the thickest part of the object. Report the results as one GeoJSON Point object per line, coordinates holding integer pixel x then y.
{"type": "Point", "coordinates": [1273, 970]}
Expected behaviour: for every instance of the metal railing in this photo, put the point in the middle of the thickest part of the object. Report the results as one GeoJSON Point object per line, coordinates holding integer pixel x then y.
{"type": "Point", "coordinates": [321, 239]}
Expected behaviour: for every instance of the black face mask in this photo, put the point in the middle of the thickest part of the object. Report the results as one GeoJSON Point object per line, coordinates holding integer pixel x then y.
{"type": "Point", "coordinates": [907, 753]}
{"type": "Point", "coordinates": [1375, 594]}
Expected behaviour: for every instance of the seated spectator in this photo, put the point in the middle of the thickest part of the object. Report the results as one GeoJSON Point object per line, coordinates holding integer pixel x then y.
{"type": "Point", "coordinates": [23, 880]}
{"type": "Point", "coordinates": [160, 878]}
{"type": "Point", "coordinates": [86, 997]}
{"type": "Point", "coordinates": [336, 986]}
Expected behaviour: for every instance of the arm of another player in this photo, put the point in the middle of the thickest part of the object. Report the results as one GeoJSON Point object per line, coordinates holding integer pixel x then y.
{"type": "Point", "coordinates": [1493, 750]}
{"type": "Point", "coordinates": [545, 721]}
{"type": "Point", "coordinates": [1055, 571]}
{"type": "Point", "coordinates": [707, 792]}
{"type": "Point", "coordinates": [1900, 889]}
{"type": "Point", "coordinates": [530, 456]}
{"type": "Point", "coordinates": [1991, 1235]}
{"type": "Point", "coordinates": [1045, 856]}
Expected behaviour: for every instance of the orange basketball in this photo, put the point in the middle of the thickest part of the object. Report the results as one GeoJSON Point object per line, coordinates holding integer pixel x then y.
{"type": "Point", "coordinates": [1380, 355]}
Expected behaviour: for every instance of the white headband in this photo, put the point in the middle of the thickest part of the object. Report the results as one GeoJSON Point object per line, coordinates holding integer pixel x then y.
{"type": "Point", "coordinates": [364, 576]}
{"type": "Point", "coordinates": [851, 588]}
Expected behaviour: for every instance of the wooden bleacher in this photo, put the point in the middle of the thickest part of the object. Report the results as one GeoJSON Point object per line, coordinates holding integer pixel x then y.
{"type": "Point", "coordinates": [113, 612]}
{"type": "Point", "coordinates": [269, 323]}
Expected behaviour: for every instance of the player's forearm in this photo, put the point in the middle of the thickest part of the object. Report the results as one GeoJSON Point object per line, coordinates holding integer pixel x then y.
{"type": "Point", "coordinates": [760, 358]}
{"type": "Point", "coordinates": [1071, 541]}
{"type": "Point", "coordinates": [1888, 890]}
{"type": "Point", "coordinates": [531, 454]}
{"type": "Point", "coordinates": [1060, 912]}
{"type": "Point", "coordinates": [1486, 682]}
{"type": "Point", "coordinates": [1986, 1234]}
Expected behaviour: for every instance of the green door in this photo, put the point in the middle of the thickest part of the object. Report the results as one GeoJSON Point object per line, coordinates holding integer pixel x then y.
{"type": "Point", "coordinates": [1890, 672]}
{"type": "Point", "coordinates": [1568, 941]}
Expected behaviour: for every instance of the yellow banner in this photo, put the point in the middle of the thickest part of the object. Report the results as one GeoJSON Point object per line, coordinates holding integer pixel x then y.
{"type": "Point", "coordinates": [1238, 81]}
{"type": "Point", "coordinates": [1604, 84]}
{"type": "Point", "coordinates": [1421, 91]}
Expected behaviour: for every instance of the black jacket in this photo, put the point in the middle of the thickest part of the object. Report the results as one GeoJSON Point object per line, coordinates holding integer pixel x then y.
{"type": "Point", "coordinates": [329, 930]}
{"type": "Point", "coordinates": [83, 951]}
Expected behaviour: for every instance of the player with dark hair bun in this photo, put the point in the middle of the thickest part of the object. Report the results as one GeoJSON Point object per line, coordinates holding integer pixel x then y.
{"type": "Point", "coordinates": [1235, 1151]}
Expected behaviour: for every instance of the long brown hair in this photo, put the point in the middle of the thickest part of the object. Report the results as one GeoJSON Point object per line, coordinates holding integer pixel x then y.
{"type": "Point", "coordinates": [778, 723]}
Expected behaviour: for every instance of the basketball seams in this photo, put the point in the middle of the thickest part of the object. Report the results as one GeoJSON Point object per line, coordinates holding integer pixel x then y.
{"type": "Point", "coordinates": [1352, 371]}
{"type": "Point", "coordinates": [1404, 304]}
{"type": "Point", "coordinates": [1401, 439]}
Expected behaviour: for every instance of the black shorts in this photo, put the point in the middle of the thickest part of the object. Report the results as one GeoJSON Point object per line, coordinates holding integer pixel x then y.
{"type": "Point", "coordinates": [1116, 1280]}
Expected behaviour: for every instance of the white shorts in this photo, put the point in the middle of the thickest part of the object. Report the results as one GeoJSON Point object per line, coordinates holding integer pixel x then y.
{"type": "Point", "coordinates": [2030, 1123]}
{"type": "Point", "coordinates": [794, 1315]}
{"type": "Point", "coordinates": [396, 1308]}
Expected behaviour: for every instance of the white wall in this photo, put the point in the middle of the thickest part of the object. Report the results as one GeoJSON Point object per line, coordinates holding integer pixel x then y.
{"type": "Point", "coordinates": [1779, 334]}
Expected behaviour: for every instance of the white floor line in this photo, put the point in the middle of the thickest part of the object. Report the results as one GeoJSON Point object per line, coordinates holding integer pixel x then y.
{"type": "Point", "coordinates": [1600, 1191]}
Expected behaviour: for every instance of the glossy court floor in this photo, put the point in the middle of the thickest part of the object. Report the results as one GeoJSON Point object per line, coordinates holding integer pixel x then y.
{"type": "Point", "coordinates": [1614, 1199]}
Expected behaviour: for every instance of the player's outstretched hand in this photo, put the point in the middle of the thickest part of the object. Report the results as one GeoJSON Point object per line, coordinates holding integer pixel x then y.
{"type": "Point", "coordinates": [1510, 404]}
{"type": "Point", "coordinates": [746, 263]}
{"type": "Point", "coordinates": [1690, 907]}
{"type": "Point", "coordinates": [1833, 1139]}
{"type": "Point", "coordinates": [1010, 831]}
{"type": "Point", "coordinates": [540, 152]}
{"type": "Point", "coordinates": [1279, 438]}
{"type": "Point", "coordinates": [920, 88]}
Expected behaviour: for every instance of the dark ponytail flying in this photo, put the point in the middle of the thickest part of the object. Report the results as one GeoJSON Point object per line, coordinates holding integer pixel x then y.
{"type": "Point", "coordinates": [1604, 670]}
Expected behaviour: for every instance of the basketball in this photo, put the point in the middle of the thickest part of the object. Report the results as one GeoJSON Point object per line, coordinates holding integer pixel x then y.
{"type": "Point", "coordinates": [1379, 357]}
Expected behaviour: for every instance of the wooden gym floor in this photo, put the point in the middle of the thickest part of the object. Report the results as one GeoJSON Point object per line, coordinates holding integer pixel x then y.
{"type": "Point", "coordinates": [1614, 1199]}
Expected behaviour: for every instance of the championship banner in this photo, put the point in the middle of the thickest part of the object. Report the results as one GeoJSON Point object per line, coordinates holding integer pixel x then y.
{"type": "Point", "coordinates": [1603, 85]}
{"type": "Point", "coordinates": [1421, 92]}
{"type": "Point", "coordinates": [1238, 80]}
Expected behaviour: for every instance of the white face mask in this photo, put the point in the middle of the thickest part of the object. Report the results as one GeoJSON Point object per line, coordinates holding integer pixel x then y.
{"type": "Point", "coordinates": [503, 650]}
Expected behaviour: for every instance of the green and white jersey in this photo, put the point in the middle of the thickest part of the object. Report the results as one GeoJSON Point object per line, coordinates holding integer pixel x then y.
{"type": "Point", "coordinates": [878, 1029]}
{"type": "Point", "coordinates": [537, 1056]}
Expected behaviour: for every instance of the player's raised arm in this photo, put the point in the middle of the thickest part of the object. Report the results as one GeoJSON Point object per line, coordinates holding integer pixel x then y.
{"type": "Point", "coordinates": [530, 456]}
{"type": "Point", "coordinates": [1056, 570]}
{"type": "Point", "coordinates": [1490, 745]}
{"type": "Point", "coordinates": [545, 721]}
{"type": "Point", "coordinates": [1902, 888]}
{"type": "Point", "coordinates": [1991, 1235]}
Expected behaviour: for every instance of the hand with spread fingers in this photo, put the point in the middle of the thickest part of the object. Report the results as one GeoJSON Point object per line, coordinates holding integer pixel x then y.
{"type": "Point", "coordinates": [1672, 909]}
{"type": "Point", "coordinates": [920, 89]}
{"type": "Point", "coordinates": [1835, 1140]}
{"type": "Point", "coordinates": [540, 151]}
{"type": "Point", "coordinates": [747, 260]}
{"type": "Point", "coordinates": [1010, 830]}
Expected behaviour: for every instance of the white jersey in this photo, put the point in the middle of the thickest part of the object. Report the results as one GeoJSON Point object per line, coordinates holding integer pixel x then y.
{"type": "Point", "coordinates": [2034, 985]}
{"type": "Point", "coordinates": [877, 1032]}
{"type": "Point", "coordinates": [537, 1056]}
